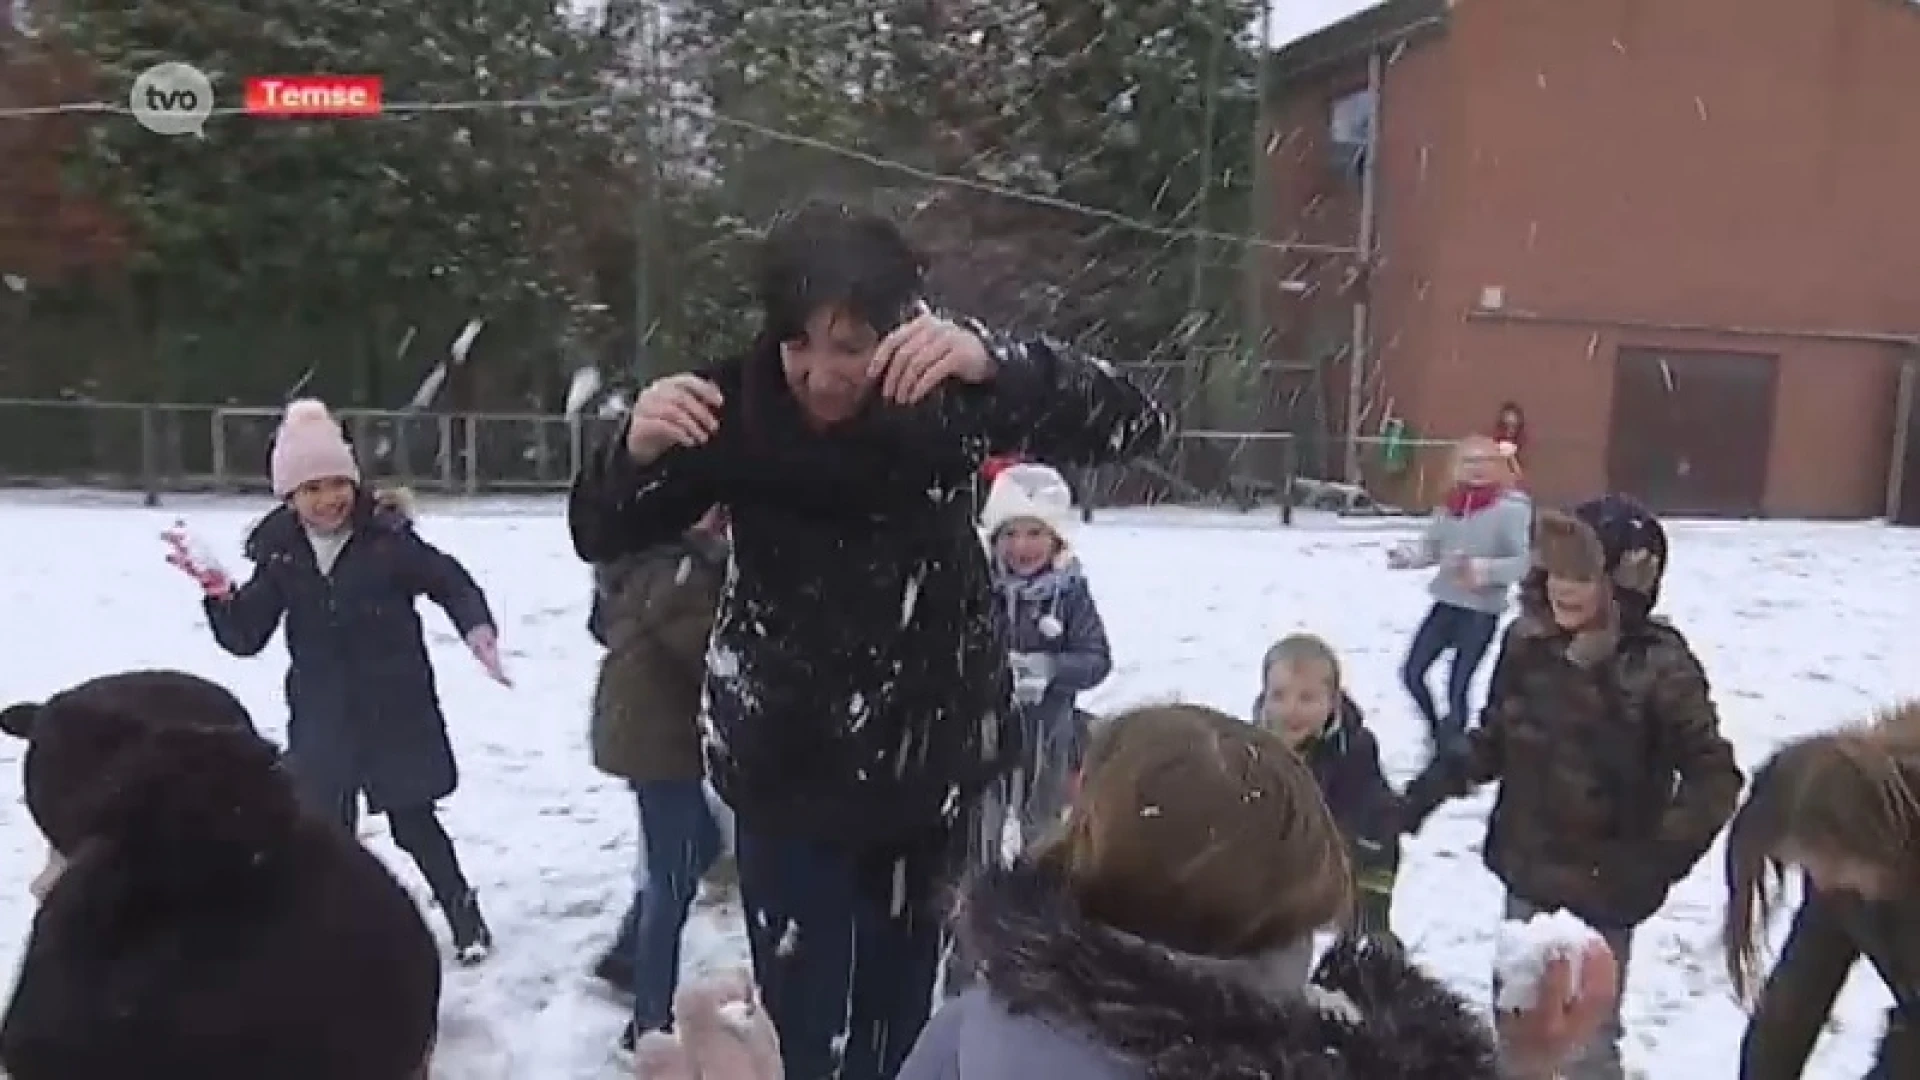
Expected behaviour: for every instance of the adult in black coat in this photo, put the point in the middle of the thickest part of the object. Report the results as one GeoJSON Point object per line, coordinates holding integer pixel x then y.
{"type": "Point", "coordinates": [858, 684]}
{"type": "Point", "coordinates": [364, 712]}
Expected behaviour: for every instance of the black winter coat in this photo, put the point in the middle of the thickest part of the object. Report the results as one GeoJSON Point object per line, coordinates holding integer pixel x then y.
{"type": "Point", "coordinates": [1345, 760]}
{"type": "Point", "coordinates": [364, 711]}
{"type": "Point", "coordinates": [1831, 933]}
{"type": "Point", "coordinates": [858, 683]}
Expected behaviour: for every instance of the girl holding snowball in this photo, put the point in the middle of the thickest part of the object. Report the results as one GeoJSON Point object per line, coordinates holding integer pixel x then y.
{"type": "Point", "coordinates": [340, 566]}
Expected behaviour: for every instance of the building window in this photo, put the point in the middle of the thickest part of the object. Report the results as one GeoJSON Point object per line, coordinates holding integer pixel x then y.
{"type": "Point", "coordinates": [1350, 130]}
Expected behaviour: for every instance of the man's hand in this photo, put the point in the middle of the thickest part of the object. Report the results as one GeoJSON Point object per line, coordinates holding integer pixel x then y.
{"type": "Point", "coordinates": [678, 410]}
{"type": "Point", "coordinates": [916, 358]}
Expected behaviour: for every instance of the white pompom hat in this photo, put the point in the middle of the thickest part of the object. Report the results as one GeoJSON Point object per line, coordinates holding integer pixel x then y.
{"type": "Point", "coordinates": [309, 446]}
{"type": "Point", "coordinates": [1028, 492]}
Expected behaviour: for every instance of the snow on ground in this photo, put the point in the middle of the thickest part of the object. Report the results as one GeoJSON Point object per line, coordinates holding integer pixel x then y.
{"type": "Point", "coordinates": [1798, 625]}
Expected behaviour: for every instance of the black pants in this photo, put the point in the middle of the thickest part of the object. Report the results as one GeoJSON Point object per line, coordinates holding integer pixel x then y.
{"type": "Point", "coordinates": [844, 943]}
{"type": "Point", "coordinates": [1465, 633]}
{"type": "Point", "coordinates": [418, 832]}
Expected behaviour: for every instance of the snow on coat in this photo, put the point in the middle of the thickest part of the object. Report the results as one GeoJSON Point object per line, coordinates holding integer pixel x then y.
{"type": "Point", "coordinates": [858, 686]}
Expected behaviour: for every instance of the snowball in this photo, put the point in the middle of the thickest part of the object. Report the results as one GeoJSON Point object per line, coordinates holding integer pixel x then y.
{"type": "Point", "coordinates": [1522, 951]}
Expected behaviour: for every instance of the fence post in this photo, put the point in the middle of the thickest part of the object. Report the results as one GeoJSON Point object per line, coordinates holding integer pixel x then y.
{"type": "Point", "coordinates": [217, 433]}
{"type": "Point", "coordinates": [402, 452]}
{"type": "Point", "coordinates": [443, 460]}
{"type": "Point", "coordinates": [1289, 471]}
{"type": "Point", "coordinates": [470, 422]}
{"type": "Point", "coordinates": [149, 453]}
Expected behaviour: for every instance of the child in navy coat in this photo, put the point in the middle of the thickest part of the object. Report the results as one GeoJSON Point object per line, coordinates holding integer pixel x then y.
{"type": "Point", "coordinates": [1058, 640]}
{"type": "Point", "coordinates": [1301, 701]}
{"type": "Point", "coordinates": [341, 567]}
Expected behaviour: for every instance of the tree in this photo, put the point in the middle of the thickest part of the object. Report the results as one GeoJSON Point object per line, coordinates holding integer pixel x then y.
{"type": "Point", "coordinates": [343, 232]}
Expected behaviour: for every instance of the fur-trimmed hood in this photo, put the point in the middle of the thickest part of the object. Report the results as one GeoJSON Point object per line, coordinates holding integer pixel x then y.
{"type": "Point", "coordinates": [1366, 1015]}
{"type": "Point", "coordinates": [1613, 540]}
{"type": "Point", "coordinates": [388, 509]}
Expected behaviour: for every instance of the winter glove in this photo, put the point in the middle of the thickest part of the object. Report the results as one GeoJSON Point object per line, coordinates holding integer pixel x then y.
{"type": "Point", "coordinates": [188, 555]}
{"type": "Point", "coordinates": [1032, 675]}
{"type": "Point", "coordinates": [484, 643]}
{"type": "Point", "coordinates": [722, 1032]}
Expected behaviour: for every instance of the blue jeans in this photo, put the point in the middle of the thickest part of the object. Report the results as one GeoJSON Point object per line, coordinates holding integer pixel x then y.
{"type": "Point", "coordinates": [846, 947]}
{"type": "Point", "coordinates": [681, 843]}
{"type": "Point", "coordinates": [1464, 632]}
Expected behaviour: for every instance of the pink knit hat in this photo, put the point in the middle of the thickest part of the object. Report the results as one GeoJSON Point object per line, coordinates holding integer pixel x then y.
{"type": "Point", "coordinates": [309, 446]}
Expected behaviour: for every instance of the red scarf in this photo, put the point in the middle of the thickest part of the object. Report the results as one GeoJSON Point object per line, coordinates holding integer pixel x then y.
{"type": "Point", "coordinates": [1467, 499]}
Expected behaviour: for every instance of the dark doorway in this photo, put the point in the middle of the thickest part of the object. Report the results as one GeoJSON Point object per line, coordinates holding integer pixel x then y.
{"type": "Point", "coordinates": [1691, 430]}
{"type": "Point", "coordinates": [1905, 487]}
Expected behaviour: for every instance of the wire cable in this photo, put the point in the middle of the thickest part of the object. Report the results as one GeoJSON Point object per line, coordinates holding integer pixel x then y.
{"type": "Point", "coordinates": [791, 138]}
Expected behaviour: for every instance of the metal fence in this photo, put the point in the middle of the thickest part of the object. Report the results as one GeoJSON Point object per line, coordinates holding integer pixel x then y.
{"type": "Point", "coordinates": [158, 448]}
{"type": "Point", "coordinates": [164, 447]}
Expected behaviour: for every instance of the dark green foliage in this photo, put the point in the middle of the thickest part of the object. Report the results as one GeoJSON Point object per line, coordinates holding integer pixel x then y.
{"type": "Point", "coordinates": [619, 234]}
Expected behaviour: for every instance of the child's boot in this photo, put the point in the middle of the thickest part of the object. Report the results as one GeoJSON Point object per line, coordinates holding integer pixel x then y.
{"type": "Point", "coordinates": [472, 939]}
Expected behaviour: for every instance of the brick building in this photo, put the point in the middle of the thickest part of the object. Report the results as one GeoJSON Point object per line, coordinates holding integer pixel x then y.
{"type": "Point", "coordinates": [1683, 234]}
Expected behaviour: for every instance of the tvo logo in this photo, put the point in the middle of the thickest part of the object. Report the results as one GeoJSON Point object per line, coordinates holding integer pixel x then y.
{"type": "Point", "coordinates": [172, 99]}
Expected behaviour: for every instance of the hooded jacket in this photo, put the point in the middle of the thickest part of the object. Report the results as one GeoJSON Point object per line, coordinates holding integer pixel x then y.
{"type": "Point", "coordinates": [1065, 998]}
{"type": "Point", "coordinates": [1614, 777]}
{"type": "Point", "coordinates": [654, 611]}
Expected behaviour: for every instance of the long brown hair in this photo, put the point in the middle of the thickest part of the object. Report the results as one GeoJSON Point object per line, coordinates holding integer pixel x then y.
{"type": "Point", "coordinates": [1847, 794]}
{"type": "Point", "coordinates": [1201, 833]}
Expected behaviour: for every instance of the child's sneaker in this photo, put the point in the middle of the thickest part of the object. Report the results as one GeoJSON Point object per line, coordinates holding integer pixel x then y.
{"type": "Point", "coordinates": [472, 940]}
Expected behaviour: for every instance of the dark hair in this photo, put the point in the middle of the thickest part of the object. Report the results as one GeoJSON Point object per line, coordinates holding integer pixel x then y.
{"type": "Point", "coordinates": [828, 256]}
{"type": "Point", "coordinates": [205, 927]}
{"type": "Point", "coordinates": [1202, 834]}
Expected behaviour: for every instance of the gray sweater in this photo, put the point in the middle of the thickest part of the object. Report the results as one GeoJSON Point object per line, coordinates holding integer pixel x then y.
{"type": "Point", "coordinates": [1498, 542]}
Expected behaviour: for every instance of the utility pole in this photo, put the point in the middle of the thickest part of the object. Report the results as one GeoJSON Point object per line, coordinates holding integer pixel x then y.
{"type": "Point", "coordinates": [1358, 351]}
{"type": "Point", "coordinates": [1254, 330]}
{"type": "Point", "coordinates": [645, 208]}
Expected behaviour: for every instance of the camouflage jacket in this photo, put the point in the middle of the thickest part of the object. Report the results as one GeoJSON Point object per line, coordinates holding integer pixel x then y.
{"type": "Point", "coordinates": [1614, 778]}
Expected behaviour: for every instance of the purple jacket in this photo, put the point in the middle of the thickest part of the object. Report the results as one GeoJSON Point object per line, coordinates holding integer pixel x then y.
{"type": "Point", "coordinates": [1064, 998]}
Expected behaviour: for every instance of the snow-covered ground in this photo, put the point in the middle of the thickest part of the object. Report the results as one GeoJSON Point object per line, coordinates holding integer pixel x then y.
{"type": "Point", "coordinates": [1800, 626]}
